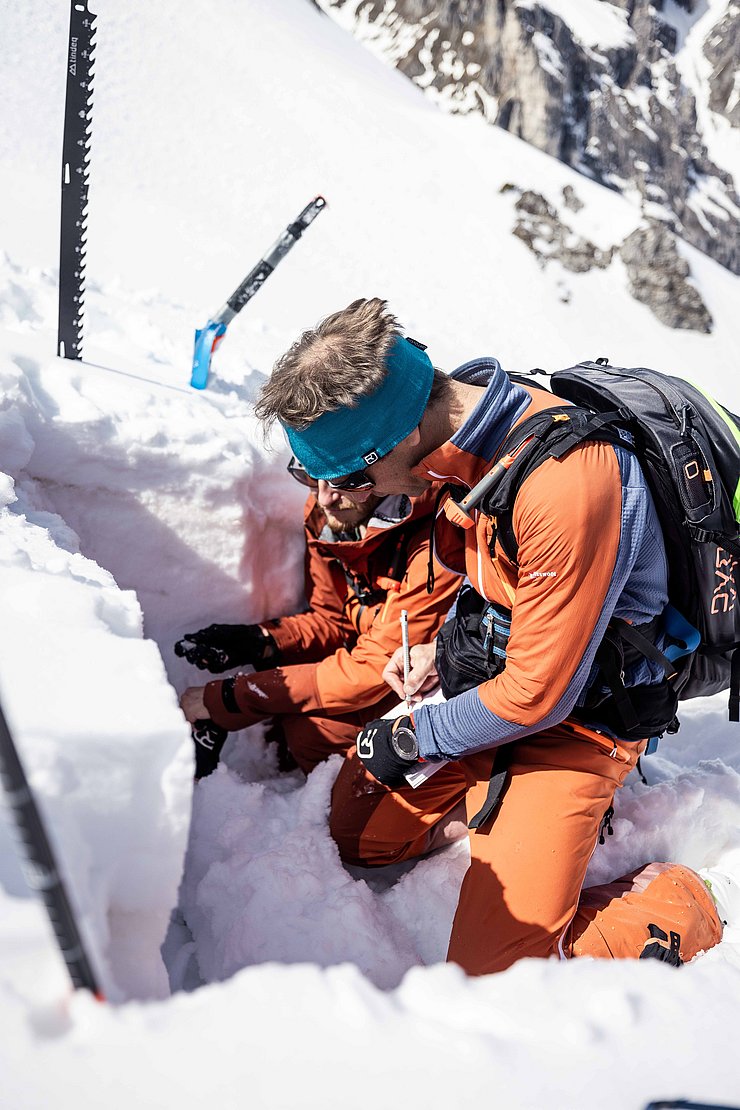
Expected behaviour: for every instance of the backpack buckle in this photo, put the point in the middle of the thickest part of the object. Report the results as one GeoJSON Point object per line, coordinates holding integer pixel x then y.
{"type": "Point", "coordinates": [701, 535]}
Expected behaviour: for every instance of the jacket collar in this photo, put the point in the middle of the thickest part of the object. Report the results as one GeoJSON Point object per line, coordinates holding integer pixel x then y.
{"type": "Point", "coordinates": [390, 513]}
{"type": "Point", "coordinates": [392, 510]}
{"type": "Point", "coordinates": [468, 454]}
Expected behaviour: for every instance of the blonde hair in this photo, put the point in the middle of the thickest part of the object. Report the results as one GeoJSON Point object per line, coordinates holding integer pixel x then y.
{"type": "Point", "coordinates": [331, 366]}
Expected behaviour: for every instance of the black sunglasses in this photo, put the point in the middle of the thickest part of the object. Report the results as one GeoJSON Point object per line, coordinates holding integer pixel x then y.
{"type": "Point", "coordinates": [298, 471]}
{"type": "Point", "coordinates": [358, 479]}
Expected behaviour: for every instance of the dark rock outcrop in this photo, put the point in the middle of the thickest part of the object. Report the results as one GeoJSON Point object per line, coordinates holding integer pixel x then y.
{"type": "Point", "coordinates": [540, 227]}
{"type": "Point", "coordinates": [658, 277]}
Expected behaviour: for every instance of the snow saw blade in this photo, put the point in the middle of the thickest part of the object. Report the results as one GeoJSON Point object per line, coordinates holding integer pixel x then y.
{"type": "Point", "coordinates": [40, 866]}
{"type": "Point", "coordinates": [75, 165]}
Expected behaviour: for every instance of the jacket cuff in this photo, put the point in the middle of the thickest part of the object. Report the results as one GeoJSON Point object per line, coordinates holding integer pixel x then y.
{"type": "Point", "coordinates": [214, 702]}
{"type": "Point", "coordinates": [284, 636]}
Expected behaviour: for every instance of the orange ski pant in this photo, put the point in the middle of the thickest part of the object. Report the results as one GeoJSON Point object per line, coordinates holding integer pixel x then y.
{"type": "Point", "coordinates": [311, 737]}
{"type": "Point", "coordinates": [523, 892]}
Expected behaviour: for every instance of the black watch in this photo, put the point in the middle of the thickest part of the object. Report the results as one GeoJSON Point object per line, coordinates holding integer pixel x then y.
{"type": "Point", "coordinates": [405, 744]}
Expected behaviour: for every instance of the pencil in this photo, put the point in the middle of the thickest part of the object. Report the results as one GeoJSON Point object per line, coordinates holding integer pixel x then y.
{"type": "Point", "coordinates": [406, 651]}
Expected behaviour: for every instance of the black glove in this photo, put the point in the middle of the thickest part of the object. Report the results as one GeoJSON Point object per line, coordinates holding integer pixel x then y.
{"type": "Point", "coordinates": [209, 738]}
{"type": "Point", "coordinates": [389, 749]}
{"type": "Point", "coordinates": [220, 647]}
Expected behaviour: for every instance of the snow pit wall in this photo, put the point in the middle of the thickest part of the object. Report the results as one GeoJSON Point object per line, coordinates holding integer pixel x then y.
{"type": "Point", "coordinates": [173, 494]}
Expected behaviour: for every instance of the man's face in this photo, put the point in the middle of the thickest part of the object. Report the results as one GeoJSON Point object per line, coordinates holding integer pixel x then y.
{"type": "Point", "coordinates": [342, 513]}
{"type": "Point", "coordinates": [394, 473]}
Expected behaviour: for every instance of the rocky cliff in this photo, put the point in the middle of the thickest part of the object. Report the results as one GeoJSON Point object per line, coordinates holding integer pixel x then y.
{"type": "Point", "coordinates": [598, 85]}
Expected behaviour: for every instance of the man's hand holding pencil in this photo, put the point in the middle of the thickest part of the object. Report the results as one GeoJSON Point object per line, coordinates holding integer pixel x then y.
{"type": "Point", "coordinates": [422, 678]}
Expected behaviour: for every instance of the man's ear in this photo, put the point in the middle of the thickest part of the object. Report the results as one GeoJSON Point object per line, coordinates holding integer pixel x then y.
{"type": "Point", "coordinates": [413, 439]}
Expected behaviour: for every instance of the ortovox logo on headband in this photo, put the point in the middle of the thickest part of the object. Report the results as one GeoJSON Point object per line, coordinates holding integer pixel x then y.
{"type": "Point", "coordinates": [371, 458]}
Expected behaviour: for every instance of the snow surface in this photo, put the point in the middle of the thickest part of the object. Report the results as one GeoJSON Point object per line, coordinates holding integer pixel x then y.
{"type": "Point", "coordinates": [593, 22]}
{"type": "Point", "coordinates": [134, 509]}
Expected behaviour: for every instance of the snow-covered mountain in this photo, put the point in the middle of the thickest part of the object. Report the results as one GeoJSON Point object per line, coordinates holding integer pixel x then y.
{"type": "Point", "coordinates": [134, 509]}
{"type": "Point", "coordinates": [640, 96]}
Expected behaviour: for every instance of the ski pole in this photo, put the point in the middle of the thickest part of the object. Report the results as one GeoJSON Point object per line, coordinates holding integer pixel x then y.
{"type": "Point", "coordinates": [40, 870]}
{"type": "Point", "coordinates": [208, 338]}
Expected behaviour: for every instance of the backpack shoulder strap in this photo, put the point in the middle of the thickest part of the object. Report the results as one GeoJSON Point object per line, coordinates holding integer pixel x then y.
{"type": "Point", "coordinates": [550, 434]}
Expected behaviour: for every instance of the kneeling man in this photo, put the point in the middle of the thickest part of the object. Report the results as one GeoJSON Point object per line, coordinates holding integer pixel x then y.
{"type": "Point", "coordinates": [320, 673]}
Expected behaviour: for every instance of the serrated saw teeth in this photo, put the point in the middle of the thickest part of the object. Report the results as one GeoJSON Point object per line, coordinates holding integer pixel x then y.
{"type": "Point", "coordinates": [77, 154]}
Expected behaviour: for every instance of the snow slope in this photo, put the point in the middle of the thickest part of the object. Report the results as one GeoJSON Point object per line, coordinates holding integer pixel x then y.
{"type": "Point", "coordinates": [143, 509]}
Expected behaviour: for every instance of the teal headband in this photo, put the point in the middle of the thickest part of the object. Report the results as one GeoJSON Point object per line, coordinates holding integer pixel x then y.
{"type": "Point", "coordinates": [350, 439]}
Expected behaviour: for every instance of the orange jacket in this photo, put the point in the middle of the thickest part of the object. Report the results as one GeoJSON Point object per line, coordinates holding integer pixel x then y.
{"type": "Point", "coordinates": [589, 546]}
{"type": "Point", "coordinates": [333, 655]}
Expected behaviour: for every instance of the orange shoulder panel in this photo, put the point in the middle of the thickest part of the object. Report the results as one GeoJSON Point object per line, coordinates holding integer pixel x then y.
{"type": "Point", "coordinates": [567, 520]}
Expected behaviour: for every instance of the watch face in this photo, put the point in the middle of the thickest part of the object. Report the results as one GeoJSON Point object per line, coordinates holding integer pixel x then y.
{"type": "Point", "coordinates": [405, 744]}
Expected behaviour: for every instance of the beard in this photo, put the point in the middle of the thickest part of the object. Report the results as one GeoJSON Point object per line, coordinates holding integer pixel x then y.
{"type": "Point", "coordinates": [348, 514]}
